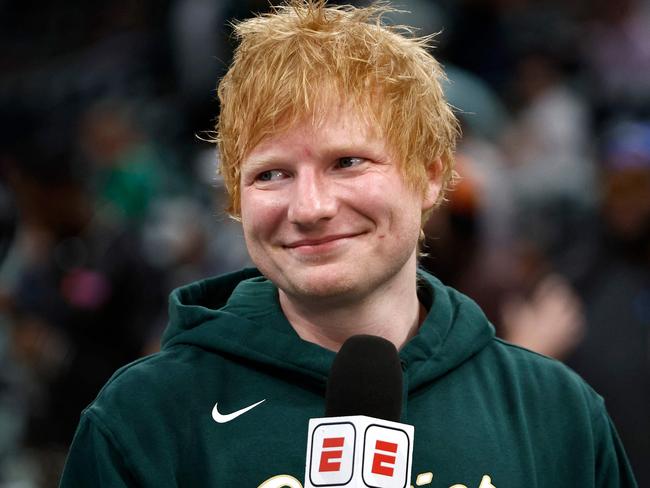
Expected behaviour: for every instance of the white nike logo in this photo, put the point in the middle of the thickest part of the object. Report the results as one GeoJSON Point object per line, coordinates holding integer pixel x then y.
{"type": "Point", "coordinates": [222, 419]}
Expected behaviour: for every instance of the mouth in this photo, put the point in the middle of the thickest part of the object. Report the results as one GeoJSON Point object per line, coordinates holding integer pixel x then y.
{"type": "Point", "coordinates": [320, 243]}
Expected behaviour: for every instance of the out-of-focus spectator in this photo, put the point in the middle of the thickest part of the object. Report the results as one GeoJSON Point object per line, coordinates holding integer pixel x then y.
{"type": "Point", "coordinates": [549, 321]}
{"type": "Point", "coordinates": [187, 248]}
{"type": "Point", "coordinates": [614, 356]}
{"type": "Point", "coordinates": [548, 141]}
{"type": "Point", "coordinates": [130, 172]}
{"type": "Point", "coordinates": [615, 46]}
{"type": "Point", "coordinates": [82, 301]}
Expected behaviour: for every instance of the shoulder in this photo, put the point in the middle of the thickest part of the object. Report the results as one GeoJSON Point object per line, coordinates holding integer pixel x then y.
{"type": "Point", "coordinates": [138, 424]}
{"type": "Point", "coordinates": [543, 383]}
{"type": "Point", "coordinates": [524, 361]}
{"type": "Point", "coordinates": [163, 378]}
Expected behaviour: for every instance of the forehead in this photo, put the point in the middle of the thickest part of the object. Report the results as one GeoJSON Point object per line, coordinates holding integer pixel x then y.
{"type": "Point", "coordinates": [338, 129]}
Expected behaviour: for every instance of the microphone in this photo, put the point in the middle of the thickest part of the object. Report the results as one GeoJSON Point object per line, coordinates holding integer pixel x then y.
{"type": "Point", "coordinates": [360, 442]}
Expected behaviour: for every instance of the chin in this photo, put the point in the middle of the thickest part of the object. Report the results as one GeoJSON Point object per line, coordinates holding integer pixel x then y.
{"type": "Point", "coordinates": [321, 284]}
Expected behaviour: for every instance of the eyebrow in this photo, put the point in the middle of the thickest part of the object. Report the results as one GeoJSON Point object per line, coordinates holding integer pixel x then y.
{"type": "Point", "coordinates": [359, 149]}
{"type": "Point", "coordinates": [256, 164]}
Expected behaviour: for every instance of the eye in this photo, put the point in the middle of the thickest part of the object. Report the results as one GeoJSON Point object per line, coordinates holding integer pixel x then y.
{"type": "Point", "coordinates": [349, 162]}
{"type": "Point", "coordinates": [270, 175]}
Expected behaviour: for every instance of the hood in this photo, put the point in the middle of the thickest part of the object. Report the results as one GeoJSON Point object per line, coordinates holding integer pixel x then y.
{"type": "Point", "coordinates": [239, 315]}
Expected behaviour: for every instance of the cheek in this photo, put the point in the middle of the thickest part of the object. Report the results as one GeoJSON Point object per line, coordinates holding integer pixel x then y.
{"type": "Point", "coordinates": [260, 214]}
{"type": "Point", "coordinates": [406, 219]}
{"type": "Point", "coordinates": [390, 205]}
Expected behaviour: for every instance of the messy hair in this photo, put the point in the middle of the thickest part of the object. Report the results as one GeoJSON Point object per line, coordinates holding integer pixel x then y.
{"type": "Point", "coordinates": [290, 63]}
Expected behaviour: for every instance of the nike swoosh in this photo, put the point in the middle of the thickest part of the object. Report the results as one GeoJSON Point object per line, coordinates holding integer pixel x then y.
{"type": "Point", "coordinates": [222, 419]}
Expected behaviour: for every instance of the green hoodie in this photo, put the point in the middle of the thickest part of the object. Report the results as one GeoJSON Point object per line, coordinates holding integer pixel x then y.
{"type": "Point", "coordinates": [486, 413]}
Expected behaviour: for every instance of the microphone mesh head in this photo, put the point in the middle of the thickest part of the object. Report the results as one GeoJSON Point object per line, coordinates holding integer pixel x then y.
{"type": "Point", "coordinates": [365, 379]}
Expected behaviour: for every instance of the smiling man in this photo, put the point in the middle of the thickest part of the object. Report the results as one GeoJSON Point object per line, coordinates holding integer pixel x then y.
{"type": "Point", "coordinates": [329, 218]}
{"type": "Point", "coordinates": [336, 143]}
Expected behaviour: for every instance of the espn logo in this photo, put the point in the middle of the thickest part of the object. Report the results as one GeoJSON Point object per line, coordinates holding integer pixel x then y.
{"type": "Point", "coordinates": [358, 451]}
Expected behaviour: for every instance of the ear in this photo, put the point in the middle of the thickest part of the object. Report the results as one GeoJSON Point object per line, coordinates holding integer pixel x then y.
{"type": "Point", "coordinates": [433, 185]}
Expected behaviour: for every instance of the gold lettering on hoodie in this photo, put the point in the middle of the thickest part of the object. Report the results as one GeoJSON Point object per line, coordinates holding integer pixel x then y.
{"type": "Point", "coordinates": [287, 481]}
{"type": "Point", "coordinates": [281, 481]}
{"type": "Point", "coordinates": [486, 482]}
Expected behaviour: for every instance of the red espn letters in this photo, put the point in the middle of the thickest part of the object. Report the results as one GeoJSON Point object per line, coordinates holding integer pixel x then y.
{"type": "Point", "coordinates": [358, 451]}
{"type": "Point", "coordinates": [330, 455]}
{"type": "Point", "coordinates": [382, 463]}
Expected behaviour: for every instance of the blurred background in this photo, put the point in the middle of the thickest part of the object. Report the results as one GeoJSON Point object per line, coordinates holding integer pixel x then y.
{"type": "Point", "coordinates": [109, 197]}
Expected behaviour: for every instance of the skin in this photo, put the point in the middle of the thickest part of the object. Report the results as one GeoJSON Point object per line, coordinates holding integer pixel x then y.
{"type": "Point", "coordinates": [328, 218]}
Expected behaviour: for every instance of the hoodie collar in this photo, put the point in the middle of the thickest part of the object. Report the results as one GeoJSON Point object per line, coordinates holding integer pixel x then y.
{"type": "Point", "coordinates": [240, 314]}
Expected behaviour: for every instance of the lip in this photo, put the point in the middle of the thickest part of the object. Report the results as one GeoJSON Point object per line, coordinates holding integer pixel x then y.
{"type": "Point", "coordinates": [320, 242]}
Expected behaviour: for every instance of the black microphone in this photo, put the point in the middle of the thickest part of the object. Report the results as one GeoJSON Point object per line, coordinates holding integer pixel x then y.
{"type": "Point", "coordinates": [360, 442]}
{"type": "Point", "coordinates": [365, 379]}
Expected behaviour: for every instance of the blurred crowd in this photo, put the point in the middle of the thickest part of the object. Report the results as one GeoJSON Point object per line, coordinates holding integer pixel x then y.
{"type": "Point", "coordinates": [109, 195]}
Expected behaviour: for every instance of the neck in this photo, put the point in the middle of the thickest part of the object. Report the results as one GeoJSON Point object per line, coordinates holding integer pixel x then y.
{"type": "Point", "coordinates": [391, 311]}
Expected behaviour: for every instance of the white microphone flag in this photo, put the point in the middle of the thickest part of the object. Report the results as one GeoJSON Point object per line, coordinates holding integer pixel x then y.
{"type": "Point", "coordinates": [358, 452]}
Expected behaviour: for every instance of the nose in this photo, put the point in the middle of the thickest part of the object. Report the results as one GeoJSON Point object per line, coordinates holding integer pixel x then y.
{"type": "Point", "coordinates": [312, 199]}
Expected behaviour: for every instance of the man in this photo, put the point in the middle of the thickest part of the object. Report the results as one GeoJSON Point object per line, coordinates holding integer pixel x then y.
{"type": "Point", "coordinates": [335, 143]}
